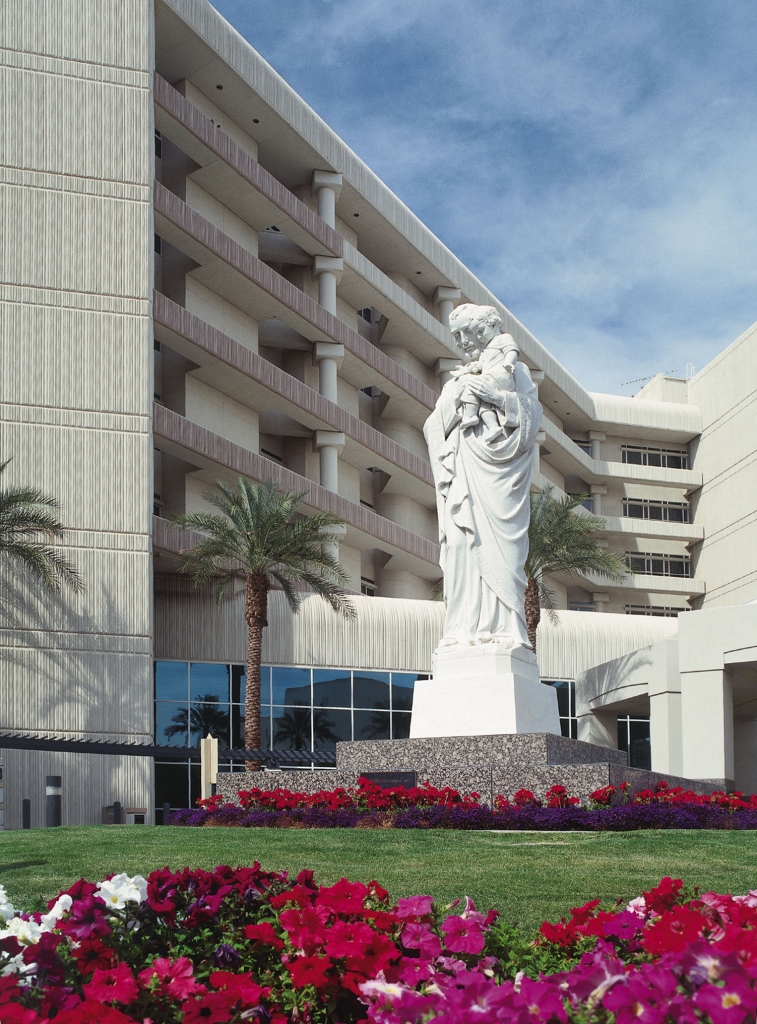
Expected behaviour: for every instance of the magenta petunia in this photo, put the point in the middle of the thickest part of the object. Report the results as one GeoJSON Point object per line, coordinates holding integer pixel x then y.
{"type": "Point", "coordinates": [463, 936]}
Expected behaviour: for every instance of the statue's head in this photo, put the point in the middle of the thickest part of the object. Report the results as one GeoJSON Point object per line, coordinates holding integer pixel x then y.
{"type": "Point", "coordinates": [473, 327]}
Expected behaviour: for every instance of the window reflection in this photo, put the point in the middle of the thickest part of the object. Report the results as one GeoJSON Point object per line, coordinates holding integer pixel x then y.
{"type": "Point", "coordinates": [331, 688]}
{"type": "Point", "coordinates": [370, 689]}
{"type": "Point", "coordinates": [171, 679]}
{"type": "Point", "coordinates": [239, 679]}
{"type": "Point", "coordinates": [292, 728]}
{"type": "Point", "coordinates": [330, 727]}
{"type": "Point", "coordinates": [372, 725]}
{"type": "Point", "coordinates": [290, 686]}
{"type": "Point", "coordinates": [171, 724]}
{"type": "Point", "coordinates": [402, 691]}
{"type": "Point", "coordinates": [209, 682]}
{"type": "Point", "coordinates": [400, 725]}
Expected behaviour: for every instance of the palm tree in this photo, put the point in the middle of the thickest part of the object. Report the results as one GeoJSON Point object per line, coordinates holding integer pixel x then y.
{"type": "Point", "coordinates": [25, 513]}
{"type": "Point", "coordinates": [258, 537]}
{"type": "Point", "coordinates": [294, 728]}
{"type": "Point", "coordinates": [560, 541]}
{"type": "Point", "coordinates": [202, 718]}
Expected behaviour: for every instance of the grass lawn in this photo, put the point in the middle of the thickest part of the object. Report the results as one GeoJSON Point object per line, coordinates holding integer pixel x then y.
{"type": "Point", "coordinates": [528, 876]}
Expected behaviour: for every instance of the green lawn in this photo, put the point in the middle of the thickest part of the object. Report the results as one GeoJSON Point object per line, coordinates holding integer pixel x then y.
{"type": "Point", "coordinates": [528, 876]}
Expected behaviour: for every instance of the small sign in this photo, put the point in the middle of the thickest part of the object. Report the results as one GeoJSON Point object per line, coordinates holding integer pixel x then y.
{"type": "Point", "coordinates": [388, 780]}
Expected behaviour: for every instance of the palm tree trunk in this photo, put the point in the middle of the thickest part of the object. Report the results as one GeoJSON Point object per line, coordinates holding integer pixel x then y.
{"type": "Point", "coordinates": [533, 610]}
{"type": "Point", "coordinates": [256, 614]}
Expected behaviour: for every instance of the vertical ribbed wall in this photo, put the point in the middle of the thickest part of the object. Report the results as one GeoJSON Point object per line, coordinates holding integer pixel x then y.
{"type": "Point", "coordinates": [76, 383]}
{"type": "Point", "coordinates": [726, 455]}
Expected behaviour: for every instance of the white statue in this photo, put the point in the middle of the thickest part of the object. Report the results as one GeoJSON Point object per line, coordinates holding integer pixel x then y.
{"type": "Point", "coordinates": [481, 439]}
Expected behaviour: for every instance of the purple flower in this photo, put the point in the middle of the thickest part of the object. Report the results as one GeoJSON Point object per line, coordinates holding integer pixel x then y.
{"type": "Point", "coordinates": [732, 1003]}
{"type": "Point", "coordinates": [226, 957]}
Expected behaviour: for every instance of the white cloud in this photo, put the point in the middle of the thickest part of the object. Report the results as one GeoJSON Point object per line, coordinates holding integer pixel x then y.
{"type": "Point", "coordinates": [593, 161]}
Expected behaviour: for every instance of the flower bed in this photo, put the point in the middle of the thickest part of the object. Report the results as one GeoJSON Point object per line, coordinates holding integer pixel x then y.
{"type": "Point", "coordinates": [370, 806]}
{"type": "Point", "coordinates": [245, 944]}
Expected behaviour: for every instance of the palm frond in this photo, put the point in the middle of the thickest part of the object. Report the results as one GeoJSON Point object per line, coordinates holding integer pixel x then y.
{"type": "Point", "coordinates": [25, 513]}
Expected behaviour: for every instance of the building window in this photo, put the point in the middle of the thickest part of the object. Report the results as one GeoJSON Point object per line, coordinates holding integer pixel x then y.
{"type": "Point", "coordinates": [663, 611]}
{"type": "Point", "coordinates": [367, 586]}
{"type": "Point", "coordinates": [158, 245]}
{"type": "Point", "coordinates": [645, 563]}
{"type": "Point", "coordinates": [566, 704]}
{"type": "Point", "coordinates": [663, 511]}
{"type": "Point", "coordinates": [585, 446]}
{"type": "Point", "coordinates": [639, 455]}
{"type": "Point", "coordinates": [158, 144]}
{"type": "Point", "coordinates": [581, 606]}
{"type": "Point", "coordinates": [633, 737]}
{"type": "Point", "coordinates": [301, 709]}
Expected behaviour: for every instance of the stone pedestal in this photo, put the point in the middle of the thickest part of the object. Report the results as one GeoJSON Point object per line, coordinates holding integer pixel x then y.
{"type": "Point", "coordinates": [486, 690]}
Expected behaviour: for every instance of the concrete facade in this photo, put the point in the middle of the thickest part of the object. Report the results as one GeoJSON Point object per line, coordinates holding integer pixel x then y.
{"type": "Point", "coordinates": [203, 281]}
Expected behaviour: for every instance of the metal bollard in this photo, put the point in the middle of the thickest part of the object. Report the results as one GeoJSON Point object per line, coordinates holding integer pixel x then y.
{"type": "Point", "coordinates": [53, 804]}
{"type": "Point", "coordinates": [117, 813]}
{"type": "Point", "coordinates": [166, 812]}
{"type": "Point", "coordinates": [26, 814]}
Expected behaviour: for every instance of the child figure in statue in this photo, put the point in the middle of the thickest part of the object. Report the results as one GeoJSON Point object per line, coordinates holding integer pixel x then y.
{"type": "Point", "coordinates": [496, 361]}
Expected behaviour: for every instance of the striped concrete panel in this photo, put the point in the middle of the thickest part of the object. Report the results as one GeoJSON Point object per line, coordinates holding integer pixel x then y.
{"type": "Point", "coordinates": [180, 322]}
{"type": "Point", "coordinates": [249, 170]}
{"type": "Point", "coordinates": [90, 782]}
{"type": "Point", "coordinates": [313, 316]}
{"type": "Point", "coordinates": [191, 439]}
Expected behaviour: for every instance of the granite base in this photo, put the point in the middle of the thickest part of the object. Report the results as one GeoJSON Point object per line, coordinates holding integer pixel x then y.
{"type": "Point", "coordinates": [488, 765]}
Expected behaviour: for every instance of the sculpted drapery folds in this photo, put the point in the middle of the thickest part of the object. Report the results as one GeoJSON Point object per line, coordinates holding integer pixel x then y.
{"type": "Point", "coordinates": [482, 470]}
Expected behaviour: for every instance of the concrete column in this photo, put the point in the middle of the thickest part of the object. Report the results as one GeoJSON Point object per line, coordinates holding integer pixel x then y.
{"type": "Point", "coordinates": [597, 491]}
{"type": "Point", "coordinates": [595, 437]}
{"type": "Point", "coordinates": [326, 186]}
{"type": "Point", "coordinates": [541, 437]}
{"type": "Point", "coordinates": [600, 600]}
{"type": "Point", "coordinates": [707, 726]}
{"type": "Point", "coordinates": [328, 358]}
{"type": "Point", "coordinates": [537, 376]}
{"type": "Point", "coordinates": [327, 270]}
{"type": "Point", "coordinates": [665, 731]}
{"type": "Point", "coordinates": [600, 727]}
{"type": "Point", "coordinates": [446, 299]}
{"type": "Point", "coordinates": [444, 367]}
{"type": "Point", "coordinates": [329, 443]}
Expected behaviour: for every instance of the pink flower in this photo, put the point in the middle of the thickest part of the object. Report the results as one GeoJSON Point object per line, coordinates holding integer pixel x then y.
{"type": "Point", "coordinates": [114, 985]}
{"type": "Point", "coordinates": [175, 977]}
{"type": "Point", "coordinates": [463, 936]}
{"type": "Point", "coordinates": [542, 1000]}
{"type": "Point", "coordinates": [420, 936]}
{"type": "Point", "coordinates": [414, 906]}
{"type": "Point", "coordinates": [732, 1003]}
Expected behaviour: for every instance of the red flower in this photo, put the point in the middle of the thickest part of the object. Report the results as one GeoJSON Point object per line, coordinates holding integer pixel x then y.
{"type": "Point", "coordinates": [91, 954]}
{"type": "Point", "coordinates": [674, 931]}
{"type": "Point", "coordinates": [351, 939]}
{"type": "Point", "coordinates": [310, 970]}
{"type": "Point", "coordinates": [175, 978]}
{"type": "Point", "coordinates": [263, 932]}
{"type": "Point", "coordinates": [113, 985]}
{"type": "Point", "coordinates": [344, 897]}
{"type": "Point", "coordinates": [238, 988]}
{"type": "Point", "coordinates": [299, 894]}
{"type": "Point", "coordinates": [213, 1008]}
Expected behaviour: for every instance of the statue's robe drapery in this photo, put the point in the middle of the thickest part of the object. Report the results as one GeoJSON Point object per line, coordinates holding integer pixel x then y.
{"type": "Point", "coordinates": [483, 503]}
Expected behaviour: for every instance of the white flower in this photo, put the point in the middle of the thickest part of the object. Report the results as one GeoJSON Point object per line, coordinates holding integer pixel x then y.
{"type": "Point", "coordinates": [383, 988]}
{"type": "Point", "coordinates": [27, 932]}
{"type": "Point", "coordinates": [13, 966]}
{"type": "Point", "coordinates": [638, 906]}
{"type": "Point", "coordinates": [120, 890]}
{"type": "Point", "coordinates": [50, 919]}
{"type": "Point", "coordinates": [7, 910]}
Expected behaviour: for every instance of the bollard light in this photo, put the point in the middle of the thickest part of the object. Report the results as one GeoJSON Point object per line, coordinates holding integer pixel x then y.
{"type": "Point", "coordinates": [26, 814]}
{"type": "Point", "coordinates": [166, 812]}
{"type": "Point", "coordinates": [53, 803]}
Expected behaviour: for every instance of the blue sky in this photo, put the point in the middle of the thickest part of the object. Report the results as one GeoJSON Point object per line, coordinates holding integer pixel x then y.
{"type": "Point", "coordinates": [594, 162]}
